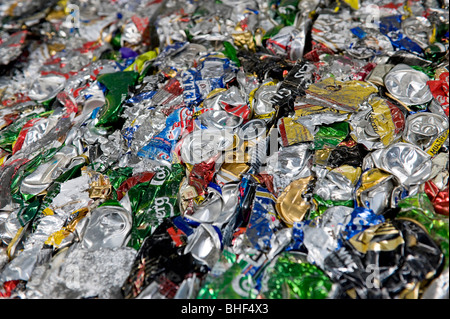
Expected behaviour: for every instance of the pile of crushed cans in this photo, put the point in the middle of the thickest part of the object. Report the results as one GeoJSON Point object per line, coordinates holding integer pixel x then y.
{"type": "Point", "coordinates": [224, 149]}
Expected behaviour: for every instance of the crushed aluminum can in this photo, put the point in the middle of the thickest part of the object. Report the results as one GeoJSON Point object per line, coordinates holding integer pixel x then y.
{"type": "Point", "coordinates": [407, 162]}
{"type": "Point", "coordinates": [233, 102]}
{"type": "Point", "coordinates": [377, 75]}
{"type": "Point", "coordinates": [334, 186]}
{"type": "Point", "coordinates": [375, 190]}
{"type": "Point", "coordinates": [41, 178]}
{"type": "Point", "coordinates": [289, 41]}
{"type": "Point", "coordinates": [209, 210]}
{"type": "Point", "coordinates": [253, 130]}
{"type": "Point", "coordinates": [408, 85]}
{"type": "Point", "coordinates": [322, 233]}
{"type": "Point", "coordinates": [426, 130]}
{"type": "Point", "coordinates": [342, 95]}
{"type": "Point", "coordinates": [264, 222]}
{"type": "Point", "coordinates": [230, 198]}
{"type": "Point", "coordinates": [288, 164]}
{"type": "Point", "coordinates": [47, 86]}
{"type": "Point", "coordinates": [201, 145]}
{"type": "Point", "coordinates": [385, 244]}
{"type": "Point", "coordinates": [333, 29]}
{"type": "Point", "coordinates": [220, 119]}
{"type": "Point", "coordinates": [291, 204]}
{"type": "Point", "coordinates": [379, 125]}
{"type": "Point", "coordinates": [418, 29]}
{"type": "Point", "coordinates": [223, 149]}
{"type": "Point", "coordinates": [204, 244]}
{"type": "Point", "coordinates": [108, 226]}
{"type": "Point", "coordinates": [52, 221]}
{"type": "Point", "coordinates": [262, 105]}
{"type": "Point", "coordinates": [284, 277]}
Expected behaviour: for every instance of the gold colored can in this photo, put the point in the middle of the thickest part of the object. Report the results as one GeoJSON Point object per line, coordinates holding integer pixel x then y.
{"type": "Point", "coordinates": [100, 186]}
{"type": "Point", "coordinates": [234, 169]}
{"type": "Point", "coordinates": [244, 39]}
{"type": "Point", "coordinates": [292, 132]}
{"type": "Point", "coordinates": [350, 172]}
{"type": "Point", "coordinates": [290, 205]}
{"type": "Point", "coordinates": [235, 163]}
{"type": "Point", "coordinates": [310, 109]}
{"type": "Point", "coordinates": [321, 156]}
{"type": "Point", "coordinates": [237, 152]}
{"type": "Point", "coordinates": [387, 120]}
{"type": "Point", "coordinates": [369, 179]}
{"type": "Point", "coordinates": [231, 172]}
{"type": "Point", "coordinates": [57, 237]}
{"type": "Point", "coordinates": [346, 96]}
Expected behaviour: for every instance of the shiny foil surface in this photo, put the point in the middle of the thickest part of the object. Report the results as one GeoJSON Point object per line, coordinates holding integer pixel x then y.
{"type": "Point", "coordinates": [224, 149]}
